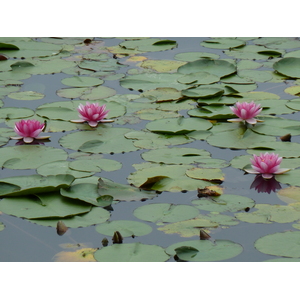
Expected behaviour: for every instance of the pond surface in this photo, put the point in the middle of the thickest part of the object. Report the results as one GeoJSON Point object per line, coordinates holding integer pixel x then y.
{"type": "Point", "coordinates": [131, 79]}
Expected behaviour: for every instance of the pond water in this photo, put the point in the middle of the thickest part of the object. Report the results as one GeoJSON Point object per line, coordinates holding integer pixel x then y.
{"type": "Point", "coordinates": [23, 240]}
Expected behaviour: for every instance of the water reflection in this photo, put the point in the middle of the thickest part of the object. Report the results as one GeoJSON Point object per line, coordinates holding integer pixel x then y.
{"type": "Point", "coordinates": [262, 185]}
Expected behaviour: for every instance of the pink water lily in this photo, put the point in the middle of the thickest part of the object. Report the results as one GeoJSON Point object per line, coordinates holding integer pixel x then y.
{"type": "Point", "coordinates": [28, 130]}
{"type": "Point", "coordinates": [92, 113]}
{"type": "Point", "coordinates": [246, 111]}
{"type": "Point", "coordinates": [267, 165]}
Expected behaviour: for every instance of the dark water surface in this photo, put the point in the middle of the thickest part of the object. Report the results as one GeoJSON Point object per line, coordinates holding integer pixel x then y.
{"type": "Point", "coordinates": [25, 241]}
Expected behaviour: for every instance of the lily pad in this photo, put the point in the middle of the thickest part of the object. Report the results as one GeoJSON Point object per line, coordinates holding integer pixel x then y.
{"type": "Point", "coordinates": [61, 167]}
{"type": "Point", "coordinates": [125, 227]}
{"type": "Point", "coordinates": [203, 92]}
{"type": "Point", "coordinates": [96, 215]}
{"type": "Point", "coordinates": [205, 250]}
{"type": "Point", "coordinates": [28, 95]}
{"type": "Point", "coordinates": [99, 140]}
{"type": "Point", "coordinates": [15, 112]}
{"type": "Point", "coordinates": [165, 178]}
{"type": "Point", "coordinates": [150, 81]}
{"type": "Point", "coordinates": [42, 206]}
{"type": "Point", "coordinates": [205, 174]}
{"type": "Point", "coordinates": [87, 192]}
{"type": "Point", "coordinates": [122, 192]}
{"type": "Point", "coordinates": [224, 203]}
{"type": "Point", "coordinates": [191, 56]}
{"type": "Point", "coordinates": [162, 65]}
{"type": "Point", "coordinates": [188, 228]}
{"type": "Point", "coordinates": [280, 244]}
{"type": "Point", "coordinates": [151, 140]}
{"type": "Point", "coordinates": [176, 155]}
{"type": "Point", "coordinates": [219, 67]}
{"type": "Point", "coordinates": [199, 78]}
{"type": "Point", "coordinates": [223, 43]}
{"type": "Point", "coordinates": [165, 212]}
{"type": "Point", "coordinates": [288, 66]}
{"type": "Point", "coordinates": [32, 184]}
{"type": "Point", "coordinates": [133, 252]}
{"type": "Point", "coordinates": [267, 213]}
{"type": "Point", "coordinates": [238, 139]}
{"type": "Point", "coordinates": [178, 125]}
{"type": "Point", "coordinates": [29, 156]}
{"type": "Point", "coordinates": [81, 81]}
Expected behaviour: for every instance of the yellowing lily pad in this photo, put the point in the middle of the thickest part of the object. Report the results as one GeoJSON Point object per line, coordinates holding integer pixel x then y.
{"type": "Point", "coordinates": [28, 95]}
{"type": "Point", "coordinates": [188, 228]}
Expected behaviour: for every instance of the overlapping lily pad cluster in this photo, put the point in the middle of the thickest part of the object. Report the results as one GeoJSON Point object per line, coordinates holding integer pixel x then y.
{"type": "Point", "coordinates": [169, 104]}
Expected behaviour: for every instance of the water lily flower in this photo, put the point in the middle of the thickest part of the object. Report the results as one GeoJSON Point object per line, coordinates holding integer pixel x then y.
{"type": "Point", "coordinates": [92, 113]}
{"type": "Point", "coordinates": [246, 111]}
{"type": "Point", "coordinates": [28, 130]}
{"type": "Point", "coordinates": [267, 165]}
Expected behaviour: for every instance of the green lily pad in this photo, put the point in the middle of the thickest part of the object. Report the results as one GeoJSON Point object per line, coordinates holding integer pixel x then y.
{"type": "Point", "coordinates": [123, 192]}
{"type": "Point", "coordinates": [2, 226]}
{"type": "Point", "coordinates": [289, 177]}
{"type": "Point", "coordinates": [267, 213]}
{"type": "Point", "coordinates": [178, 125]}
{"type": "Point", "coordinates": [81, 81]}
{"type": "Point", "coordinates": [96, 215]}
{"type": "Point", "coordinates": [151, 140]}
{"type": "Point", "coordinates": [280, 244]}
{"type": "Point", "coordinates": [288, 66]}
{"type": "Point", "coordinates": [284, 149]}
{"type": "Point", "coordinates": [125, 227]}
{"type": "Point", "coordinates": [199, 78]}
{"type": "Point", "coordinates": [29, 156]}
{"type": "Point", "coordinates": [42, 206]}
{"type": "Point", "coordinates": [133, 252]}
{"type": "Point", "coordinates": [30, 49]}
{"type": "Point", "coordinates": [175, 155]}
{"type": "Point", "coordinates": [165, 178]}
{"type": "Point", "coordinates": [98, 92]}
{"type": "Point", "coordinates": [223, 43]}
{"type": "Point", "coordinates": [224, 203]}
{"type": "Point", "coordinates": [162, 95]}
{"type": "Point", "coordinates": [205, 250]}
{"type": "Point", "coordinates": [211, 112]}
{"type": "Point", "coordinates": [95, 165]}
{"type": "Point", "coordinates": [15, 113]}
{"type": "Point", "coordinates": [150, 81]}
{"type": "Point", "coordinates": [149, 45]}
{"type": "Point", "coordinates": [205, 174]}
{"type": "Point", "coordinates": [99, 140]}
{"type": "Point", "coordinates": [31, 184]}
{"type": "Point", "coordinates": [219, 67]}
{"type": "Point", "coordinates": [61, 167]}
{"type": "Point", "coordinates": [277, 126]}
{"type": "Point", "coordinates": [203, 92]}
{"type": "Point", "coordinates": [165, 212]}
{"type": "Point", "coordinates": [87, 192]}
{"type": "Point", "coordinates": [238, 139]}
